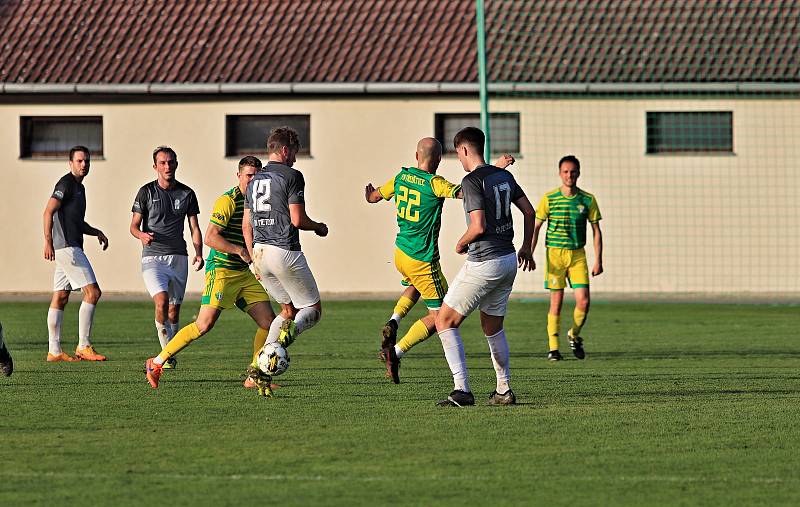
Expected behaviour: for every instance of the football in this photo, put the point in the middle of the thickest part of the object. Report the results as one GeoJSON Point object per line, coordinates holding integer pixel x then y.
{"type": "Point", "coordinates": [273, 359]}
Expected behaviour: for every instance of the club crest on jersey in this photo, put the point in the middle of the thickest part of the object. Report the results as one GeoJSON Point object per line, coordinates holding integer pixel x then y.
{"type": "Point", "coordinates": [218, 295]}
{"type": "Point", "coordinates": [581, 209]}
{"type": "Point", "coordinates": [58, 194]}
{"type": "Point", "coordinates": [177, 204]}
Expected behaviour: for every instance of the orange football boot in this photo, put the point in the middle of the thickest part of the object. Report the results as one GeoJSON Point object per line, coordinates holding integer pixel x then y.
{"type": "Point", "coordinates": [57, 358]}
{"type": "Point", "coordinates": [153, 372]}
{"type": "Point", "coordinates": [89, 354]}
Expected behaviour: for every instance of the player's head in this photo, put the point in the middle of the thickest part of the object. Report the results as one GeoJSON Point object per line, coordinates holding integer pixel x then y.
{"type": "Point", "coordinates": [569, 169]}
{"type": "Point", "coordinates": [429, 154]}
{"type": "Point", "coordinates": [248, 167]}
{"type": "Point", "coordinates": [283, 144]}
{"type": "Point", "coordinates": [165, 162]}
{"type": "Point", "coordinates": [468, 143]}
{"type": "Point", "coordinates": [79, 161]}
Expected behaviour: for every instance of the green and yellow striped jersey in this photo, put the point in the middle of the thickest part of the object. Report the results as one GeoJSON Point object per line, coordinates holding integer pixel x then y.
{"type": "Point", "coordinates": [227, 213]}
{"type": "Point", "coordinates": [566, 217]}
{"type": "Point", "coordinates": [419, 197]}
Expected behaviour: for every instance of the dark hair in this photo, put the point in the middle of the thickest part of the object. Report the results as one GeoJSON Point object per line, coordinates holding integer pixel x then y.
{"type": "Point", "coordinates": [472, 137]}
{"type": "Point", "coordinates": [280, 137]}
{"type": "Point", "coordinates": [250, 161]}
{"type": "Point", "coordinates": [78, 148]}
{"type": "Point", "coordinates": [570, 158]}
{"type": "Point", "coordinates": [164, 149]}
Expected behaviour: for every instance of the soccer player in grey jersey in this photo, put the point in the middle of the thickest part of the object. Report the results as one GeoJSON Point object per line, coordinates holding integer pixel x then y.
{"type": "Point", "coordinates": [64, 227]}
{"type": "Point", "coordinates": [159, 211]}
{"type": "Point", "coordinates": [274, 213]}
{"type": "Point", "coordinates": [487, 277]}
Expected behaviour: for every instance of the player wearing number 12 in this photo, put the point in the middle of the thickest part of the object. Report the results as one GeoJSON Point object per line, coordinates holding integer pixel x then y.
{"type": "Point", "coordinates": [419, 195]}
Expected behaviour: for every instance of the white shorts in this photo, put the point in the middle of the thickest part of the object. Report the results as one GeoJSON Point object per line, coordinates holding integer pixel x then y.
{"type": "Point", "coordinates": [486, 284]}
{"type": "Point", "coordinates": [166, 273]}
{"type": "Point", "coordinates": [73, 270]}
{"type": "Point", "coordinates": [285, 275]}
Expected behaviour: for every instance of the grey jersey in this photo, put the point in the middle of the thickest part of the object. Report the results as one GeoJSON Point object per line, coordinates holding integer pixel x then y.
{"type": "Point", "coordinates": [69, 218]}
{"type": "Point", "coordinates": [493, 190]}
{"type": "Point", "coordinates": [163, 213]}
{"type": "Point", "coordinates": [268, 197]}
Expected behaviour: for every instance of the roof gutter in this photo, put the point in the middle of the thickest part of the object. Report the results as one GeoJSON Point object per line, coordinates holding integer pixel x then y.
{"type": "Point", "coordinates": [364, 88]}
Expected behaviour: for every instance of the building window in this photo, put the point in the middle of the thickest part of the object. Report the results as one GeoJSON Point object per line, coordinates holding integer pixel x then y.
{"type": "Point", "coordinates": [690, 132]}
{"type": "Point", "coordinates": [247, 134]}
{"type": "Point", "coordinates": [53, 136]}
{"type": "Point", "coordinates": [504, 127]}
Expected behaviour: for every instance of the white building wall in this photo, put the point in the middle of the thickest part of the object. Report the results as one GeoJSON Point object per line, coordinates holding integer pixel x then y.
{"type": "Point", "coordinates": [671, 223]}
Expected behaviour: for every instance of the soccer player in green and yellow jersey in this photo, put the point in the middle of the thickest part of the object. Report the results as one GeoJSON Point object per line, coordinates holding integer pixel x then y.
{"type": "Point", "coordinates": [567, 209]}
{"type": "Point", "coordinates": [419, 196]}
{"type": "Point", "coordinates": [229, 281]}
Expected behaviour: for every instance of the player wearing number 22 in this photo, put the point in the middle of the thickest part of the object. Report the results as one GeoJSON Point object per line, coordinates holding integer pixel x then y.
{"type": "Point", "coordinates": [419, 195]}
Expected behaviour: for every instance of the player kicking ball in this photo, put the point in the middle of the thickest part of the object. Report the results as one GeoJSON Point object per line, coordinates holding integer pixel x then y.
{"type": "Point", "coordinates": [566, 210]}
{"type": "Point", "coordinates": [274, 215]}
{"type": "Point", "coordinates": [487, 277]}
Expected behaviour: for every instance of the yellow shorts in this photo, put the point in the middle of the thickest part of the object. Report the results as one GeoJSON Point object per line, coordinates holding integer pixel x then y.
{"type": "Point", "coordinates": [228, 287]}
{"type": "Point", "coordinates": [426, 277]}
{"type": "Point", "coordinates": [566, 265]}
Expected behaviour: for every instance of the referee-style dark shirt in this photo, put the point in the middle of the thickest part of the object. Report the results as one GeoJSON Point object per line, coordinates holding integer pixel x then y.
{"type": "Point", "coordinates": [493, 190]}
{"type": "Point", "coordinates": [69, 218]}
{"type": "Point", "coordinates": [268, 197]}
{"type": "Point", "coordinates": [164, 213]}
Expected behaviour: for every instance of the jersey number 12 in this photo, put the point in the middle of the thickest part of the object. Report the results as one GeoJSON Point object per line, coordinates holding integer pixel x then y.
{"type": "Point", "coordinates": [261, 191]}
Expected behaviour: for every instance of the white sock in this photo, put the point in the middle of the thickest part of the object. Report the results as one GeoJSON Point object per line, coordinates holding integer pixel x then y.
{"type": "Point", "coordinates": [158, 360]}
{"type": "Point", "coordinates": [498, 346]}
{"type": "Point", "coordinates": [85, 320]}
{"type": "Point", "coordinates": [306, 318]}
{"type": "Point", "coordinates": [54, 318]}
{"type": "Point", "coordinates": [397, 318]}
{"type": "Point", "coordinates": [456, 360]}
{"type": "Point", "coordinates": [399, 351]}
{"type": "Point", "coordinates": [163, 334]}
{"type": "Point", "coordinates": [275, 329]}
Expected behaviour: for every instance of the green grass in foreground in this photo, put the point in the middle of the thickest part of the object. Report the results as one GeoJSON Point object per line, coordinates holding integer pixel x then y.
{"type": "Point", "coordinates": [676, 404]}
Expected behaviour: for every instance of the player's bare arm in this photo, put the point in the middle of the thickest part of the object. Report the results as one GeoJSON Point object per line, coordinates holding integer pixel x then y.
{"type": "Point", "coordinates": [598, 249]}
{"type": "Point", "coordinates": [136, 230]}
{"type": "Point", "coordinates": [372, 194]}
{"type": "Point", "coordinates": [301, 220]}
{"type": "Point", "coordinates": [475, 229]}
{"type": "Point", "coordinates": [215, 240]}
{"type": "Point", "coordinates": [504, 161]}
{"type": "Point", "coordinates": [525, 254]}
{"type": "Point", "coordinates": [197, 242]}
{"type": "Point", "coordinates": [91, 231]}
{"type": "Point", "coordinates": [247, 231]}
{"type": "Point", "coordinates": [50, 209]}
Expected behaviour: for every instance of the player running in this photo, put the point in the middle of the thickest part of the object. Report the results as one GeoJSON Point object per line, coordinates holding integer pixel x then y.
{"type": "Point", "coordinates": [159, 211]}
{"type": "Point", "coordinates": [419, 195]}
{"type": "Point", "coordinates": [229, 281]}
{"type": "Point", "coordinates": [274, 213]}
{"type": "Point", "coordinates": [64, 227]}
{"type": "Point", "coordinates": [486, 279]}
{"type": "Point", "coordinates": [567, 209]}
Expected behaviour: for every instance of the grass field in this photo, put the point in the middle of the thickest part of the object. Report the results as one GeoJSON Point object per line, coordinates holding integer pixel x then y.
{"type": "Point", "coordinates": [676, 404]}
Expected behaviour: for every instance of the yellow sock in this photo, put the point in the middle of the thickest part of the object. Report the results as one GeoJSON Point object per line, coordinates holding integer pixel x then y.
{"type": "Point", "coordinates": [418, 333]}
{"type": "Point", "coordinates": [258, 342]}
{"type": "Point", "coordinates": [553, 325]}
{"type": "Point", "coordinates": [179, 342]}
{"type": "Point", "coordinates": [579, 318]}
{"type": "Point", "coordinates": [403, 306]}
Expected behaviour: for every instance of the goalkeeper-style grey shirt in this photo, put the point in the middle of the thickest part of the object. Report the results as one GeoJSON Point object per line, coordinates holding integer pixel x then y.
{"type": "Point", "coordinates": [493, 190]}
{"type": "Point", "coordinates": [68, 219]}
{"type": "Point", "coordinates": [163, 213]}
{"type": "Point", "coordinates": [268, 197]}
